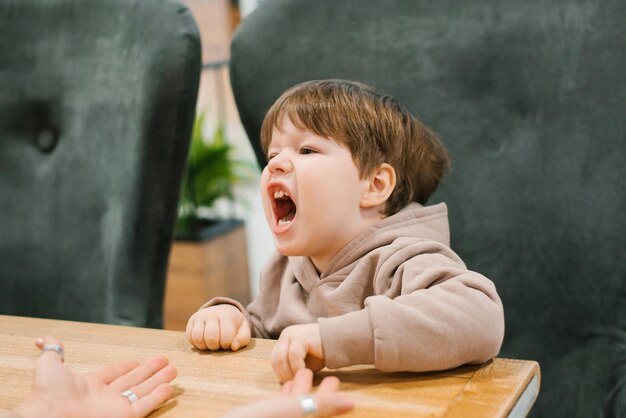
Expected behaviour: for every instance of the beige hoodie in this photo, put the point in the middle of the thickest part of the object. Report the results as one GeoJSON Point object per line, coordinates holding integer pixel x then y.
{"type": "Point", "coordinates": [396, 297]}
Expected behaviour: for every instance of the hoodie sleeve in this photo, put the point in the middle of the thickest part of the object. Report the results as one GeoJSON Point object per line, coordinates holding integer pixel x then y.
{"type": "Point", "coordinates": [279, 301]}
{"type": "Point", "coordinates": [443, 316]}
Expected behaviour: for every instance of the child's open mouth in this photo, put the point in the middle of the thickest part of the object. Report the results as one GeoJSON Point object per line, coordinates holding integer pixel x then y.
{"type": "Point", "coordinates": [284, 208]}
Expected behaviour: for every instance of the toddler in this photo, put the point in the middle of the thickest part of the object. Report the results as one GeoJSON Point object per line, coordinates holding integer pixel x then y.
{"type": "Point", "coordinates": [363, 272]}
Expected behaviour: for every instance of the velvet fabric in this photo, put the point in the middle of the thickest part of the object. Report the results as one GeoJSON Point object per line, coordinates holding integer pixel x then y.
{"type": "Point", "coordinates": [529, 97]}
{"type": "Point", "coordinates": [97, 102]}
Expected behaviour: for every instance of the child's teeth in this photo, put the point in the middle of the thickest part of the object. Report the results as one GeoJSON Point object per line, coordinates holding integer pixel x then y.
{"type": "Point", "coordinates": [278, 194]}
{"type": "Point", "coordinates": [283, 222]}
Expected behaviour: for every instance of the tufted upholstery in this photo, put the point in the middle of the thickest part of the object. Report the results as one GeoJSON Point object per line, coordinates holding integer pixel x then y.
{"type": "Point", "coordinates": [97, 101]}
{"type": "Point", "coordinates": [530, 98]}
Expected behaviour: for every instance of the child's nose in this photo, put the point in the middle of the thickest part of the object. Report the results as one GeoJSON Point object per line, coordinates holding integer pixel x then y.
{"type": "Point", "coordinates": [279, 163]}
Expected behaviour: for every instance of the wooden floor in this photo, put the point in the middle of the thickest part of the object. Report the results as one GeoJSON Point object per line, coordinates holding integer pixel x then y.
{"type": "Point", "coordinates": [198, 272]}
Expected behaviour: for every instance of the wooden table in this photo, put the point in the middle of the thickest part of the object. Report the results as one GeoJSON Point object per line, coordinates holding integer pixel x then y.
{"type": "Point", "coordinates": [210, 384]}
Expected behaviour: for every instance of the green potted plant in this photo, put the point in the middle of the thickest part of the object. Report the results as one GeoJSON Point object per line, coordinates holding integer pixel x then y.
{"type": "Point", "coordinates": [211, 174]}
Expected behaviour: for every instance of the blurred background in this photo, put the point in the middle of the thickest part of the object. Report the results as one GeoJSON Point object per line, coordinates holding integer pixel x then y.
{"type": "Point", "coordinates": [218, 20]}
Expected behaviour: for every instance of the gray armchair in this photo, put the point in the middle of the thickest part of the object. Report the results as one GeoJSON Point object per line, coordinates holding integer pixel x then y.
{"type": "Point", "coordinates": [530, 98]}
{"type": "Point", "coordinates": [97, 100]}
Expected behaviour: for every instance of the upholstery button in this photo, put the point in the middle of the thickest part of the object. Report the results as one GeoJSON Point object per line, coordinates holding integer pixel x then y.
{"type": "Point", "coordinates": [492, 146]}
{"type": "Point", "coordinates": [46, 140]}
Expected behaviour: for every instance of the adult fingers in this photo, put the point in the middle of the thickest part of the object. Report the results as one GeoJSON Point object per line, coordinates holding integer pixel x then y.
{"type": "Point", "coordinates": [328, 405]}
{"type": "Point", "coordinates": [40, 342]}
{"type": "Point", "coordinates": [165, 375]}
{"type": "Point", "coordinates": [49, 367]}
{"type": "Point", "coordinates": [331, 404]}
{"type": "Point", "coordinates": [330, 384]}
{"type": "Point", "coordinates": [286, 388]}
{"type": "Point", "coordinates": [140, 374]}
{"type": "Point", "coordinates": [150, 401]}
{"type": "Point", "coordinates": [52, 349]}
{"type": "Point", "coordinates": [110, 373]}
{"type": "Point", "coordinates": [302, 382]}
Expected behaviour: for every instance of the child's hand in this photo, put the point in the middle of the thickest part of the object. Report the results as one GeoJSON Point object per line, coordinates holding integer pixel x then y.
{"type": "Point", "coordinates": [298, 347]}
{"type": "Point", "coordinates": [218, 327]}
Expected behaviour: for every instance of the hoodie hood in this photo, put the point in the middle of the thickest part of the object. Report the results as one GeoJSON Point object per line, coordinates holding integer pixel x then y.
{"type": "Point", "coordinates": [414, 222]}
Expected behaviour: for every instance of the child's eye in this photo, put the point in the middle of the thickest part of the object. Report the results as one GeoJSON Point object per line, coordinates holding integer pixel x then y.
{"type": "Point", "coordinates": [307, 150]}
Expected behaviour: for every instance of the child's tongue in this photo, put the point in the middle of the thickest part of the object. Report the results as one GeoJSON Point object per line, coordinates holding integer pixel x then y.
{"type": "Point", "coordinates": [285, 210]}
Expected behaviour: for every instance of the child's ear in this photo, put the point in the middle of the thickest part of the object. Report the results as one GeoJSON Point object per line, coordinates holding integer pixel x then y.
{"type": "Point", "coordinates": [378, 186]}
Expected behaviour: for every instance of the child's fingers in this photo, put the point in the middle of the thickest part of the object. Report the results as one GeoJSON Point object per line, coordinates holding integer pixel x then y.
{"type": "Point", "coordinates": [242, 337]}
{"type": "Point", "coordinates": [227, 331]}
{"type": "Point", "coordinates": [315, 364]}
{"type": "Point", "coordinates": [297, 353]}
{"type": "Point", "coordinates": [280, 362]}
{"type": "Point", "coordinates": [189, 328]}
{"type": "Point", "coordinates": [212, 334]}
{"type": "Point", "coordinates": [197, 335]}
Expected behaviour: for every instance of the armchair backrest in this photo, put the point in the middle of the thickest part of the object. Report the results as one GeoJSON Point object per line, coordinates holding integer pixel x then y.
{"type": "Point", "coordinates": [97, 101]}
{"type": "Point", "coordinates": [530, 99]}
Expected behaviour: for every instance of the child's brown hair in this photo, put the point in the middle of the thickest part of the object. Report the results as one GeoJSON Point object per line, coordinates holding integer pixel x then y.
{"type": "Point", "coordinates": [373, 126]}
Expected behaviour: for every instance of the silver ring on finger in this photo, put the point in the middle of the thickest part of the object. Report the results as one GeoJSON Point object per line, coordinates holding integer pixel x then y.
{"type": "Point", "coordinates": [54, 347]}
{"type": "Point", "coordinates": [308, 406]}
{"type": "Point", "coordinates": [130, 395]}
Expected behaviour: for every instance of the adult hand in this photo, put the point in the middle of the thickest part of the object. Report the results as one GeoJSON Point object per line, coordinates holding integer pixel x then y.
{"type": "Point", "coordinates": [59, 392]}
{"type": "Point", "coordinates": [298, 347]}
{"type": "Point", "coordinates": [218, 327]}
{"type": "Point", "coordinates": [327, 400]}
